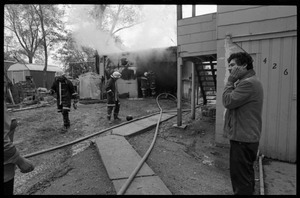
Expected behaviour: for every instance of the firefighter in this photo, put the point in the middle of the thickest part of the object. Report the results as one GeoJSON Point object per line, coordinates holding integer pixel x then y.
{"type": "Point", "coordinates": [65, 92]}
{"type": "Point", "coordinates": [148, 82]}
{"type": "Point", "coordinates": [113, 96]}
{"type": "Point", "coordinates": [144, 85]}
{"type": "Point", "coordinates": [151, 79]}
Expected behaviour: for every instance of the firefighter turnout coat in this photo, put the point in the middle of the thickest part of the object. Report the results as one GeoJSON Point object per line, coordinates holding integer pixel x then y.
{"type": "Point", "coordinates": [65, 91]}
{"type": "Point", "coordinates": [112, 92]}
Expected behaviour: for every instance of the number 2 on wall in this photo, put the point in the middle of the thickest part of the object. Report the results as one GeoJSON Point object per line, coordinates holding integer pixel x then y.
{"type": "Point", "coordinates": [274, 65]}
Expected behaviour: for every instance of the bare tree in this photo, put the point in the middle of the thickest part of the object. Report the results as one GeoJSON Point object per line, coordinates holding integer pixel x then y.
{"type": "Point", "coordinates": [22, 21]}
{"type": "Point", "coordinates": [114, 18]}
{"type": "Point", "coordinates": [49, 19]}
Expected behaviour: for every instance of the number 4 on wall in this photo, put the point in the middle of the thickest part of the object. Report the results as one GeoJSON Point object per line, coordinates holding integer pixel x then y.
{"type": "Point", "coordinates": [265, 60]}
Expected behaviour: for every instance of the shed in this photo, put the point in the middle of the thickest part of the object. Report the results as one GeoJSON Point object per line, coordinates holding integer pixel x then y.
{"type": "Point", "coordinates": [7, 64]}
{"type": "Point", "coordinates": [269, 35]}
{"type": "Point", "coordinates": [18, 72]}
{"type": "Point", "coordinates": [89, 86]}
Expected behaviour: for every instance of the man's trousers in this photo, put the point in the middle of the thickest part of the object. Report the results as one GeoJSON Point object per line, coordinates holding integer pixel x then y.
{"type": "Point", "coordinates": [116, 108]}
{"type": "Point", "coordinates": [242, 158]}
{"type": "Point", "coordinates": [66, 119]}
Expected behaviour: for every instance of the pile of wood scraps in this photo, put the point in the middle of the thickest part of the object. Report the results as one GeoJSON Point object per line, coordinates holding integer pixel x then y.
{"type": "Point", "coordinates": [20, 108]}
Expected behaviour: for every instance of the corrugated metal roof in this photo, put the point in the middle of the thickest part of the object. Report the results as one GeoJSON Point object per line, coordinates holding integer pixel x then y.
{"type": "Point", "coordinates": [35, 67]}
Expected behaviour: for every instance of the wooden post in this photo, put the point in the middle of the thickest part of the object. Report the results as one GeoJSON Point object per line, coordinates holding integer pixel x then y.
{"type": "Point", "coordinates": [179, 91]}
{"type": "Point", "coordinates": [179, 73]}
{"type": "Point", "coordinates": [193, 10]}
{"type": "Point", "coordinates": [197, 93]}
{"type": "Point", "coordinates": [11, 97]}
{"type": "Point", "coordinates": [193, 93]}
{"type": "Point", "coordinates": [179, 12]}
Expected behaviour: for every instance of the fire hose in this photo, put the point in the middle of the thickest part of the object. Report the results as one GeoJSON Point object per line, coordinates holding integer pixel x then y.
{"type": "Point", "coordinates": [135, 171]}
{"type": "Point", "coordinates": [133, 174]}
{"type": "Point", "coordinates": [92, 135]}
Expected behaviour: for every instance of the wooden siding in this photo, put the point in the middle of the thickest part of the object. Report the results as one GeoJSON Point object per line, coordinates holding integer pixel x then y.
{"type": "Point", "coordinates": [197, 35]}
{"type": "Point", "coordinates": [197, 19]}
{"type": "Point", "coordinates": [230, 8]}
{"type": "Point", "coordinates": [259, 27]}
{"type": "Point", "coordinates": [269, 34]}
{"type": "Point", "coordinates": [275, 65]}
{"type": "Point", "coordinates": [256, 20]}
{"type": "Point", "coordinates": [255, 14]}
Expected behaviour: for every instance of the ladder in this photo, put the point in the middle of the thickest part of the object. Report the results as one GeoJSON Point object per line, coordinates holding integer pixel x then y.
{"type": "Point", "coordinates": [206, 72]}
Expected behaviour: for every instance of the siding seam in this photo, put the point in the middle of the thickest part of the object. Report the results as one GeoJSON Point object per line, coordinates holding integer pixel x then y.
{"type": "Point", "coordinates": [265, 20]}
{"type": "Point", "coordinates": [290, 101]}
{"type": "Point", "coordinates": [197, 42]}
{"type": "Point", "coordinates": [278, 116]}
{"type": "Point", "coordinates": [240, 9]}
{"type": "Point", "coordinates": [267, 99]}
{"type": "Point", "coordinates": [204, 22]}
{"type": "Point", "coordinates": [198, 32]}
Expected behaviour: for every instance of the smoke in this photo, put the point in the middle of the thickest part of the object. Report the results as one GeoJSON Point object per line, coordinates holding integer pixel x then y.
{"type": "Point", "coordinates": [85, 31]}
{"type": "Point", "coordinates": [88, 35]}
{"type": "Point", "coordinates": [157, 30]}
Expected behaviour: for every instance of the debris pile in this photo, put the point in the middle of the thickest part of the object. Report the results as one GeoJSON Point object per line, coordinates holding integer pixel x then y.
{"type": "Point", "coordinates": [209, 111]}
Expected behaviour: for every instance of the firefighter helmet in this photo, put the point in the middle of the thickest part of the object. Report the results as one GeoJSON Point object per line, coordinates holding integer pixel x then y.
{"type": "Point", "coordinates": [116, 75]}
{"type": "Point", "coordinates": [59, 73]}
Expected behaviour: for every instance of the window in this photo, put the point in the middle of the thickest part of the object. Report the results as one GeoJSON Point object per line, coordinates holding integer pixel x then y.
{"type": "Point", "coordinates": [187, 10]}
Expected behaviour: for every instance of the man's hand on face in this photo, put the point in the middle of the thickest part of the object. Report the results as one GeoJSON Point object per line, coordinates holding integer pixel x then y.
{"type": "Point", "coordinates": [237, 72]}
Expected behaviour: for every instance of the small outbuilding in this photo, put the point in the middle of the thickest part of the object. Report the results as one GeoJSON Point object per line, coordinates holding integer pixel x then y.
{"type": "Point", "coordinates": [89, 86]}
{"type": "Point", "coordinates": [18, 72]}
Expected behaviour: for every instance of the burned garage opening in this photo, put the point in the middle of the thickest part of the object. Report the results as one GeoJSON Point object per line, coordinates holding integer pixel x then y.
{"type": "Point", "coordinates": [160, 67]}
{"type": "Point", "coordinates": [145, 73]}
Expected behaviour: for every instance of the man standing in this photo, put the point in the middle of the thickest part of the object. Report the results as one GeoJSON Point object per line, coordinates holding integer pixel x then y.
{"type": "Point", "coordinates": [65, 92]}
{"type": "Point", "coordinates": [113, 96]}
{"type": "Point", "coordinates": [243, 100]}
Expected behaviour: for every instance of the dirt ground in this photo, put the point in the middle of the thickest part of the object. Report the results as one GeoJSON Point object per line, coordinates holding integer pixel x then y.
{"type": "Point", "coordinates": [187, 160]}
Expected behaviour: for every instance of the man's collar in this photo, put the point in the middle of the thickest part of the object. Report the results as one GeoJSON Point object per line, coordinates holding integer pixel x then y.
{"type": "Point", "coordinates": [249, 73]}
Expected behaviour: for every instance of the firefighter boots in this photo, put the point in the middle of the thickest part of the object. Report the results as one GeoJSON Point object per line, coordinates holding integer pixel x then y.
{"type": "Point", "coordinates": [108, 118]}
{"type": "Point", "coordinates": [116, 117]}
